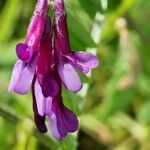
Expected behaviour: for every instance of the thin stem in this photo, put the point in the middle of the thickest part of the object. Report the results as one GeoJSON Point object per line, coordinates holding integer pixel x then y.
{"type": "Point", "coordinates": [13, 118]}
{"type": "Point", "coordinates": [8, 115]}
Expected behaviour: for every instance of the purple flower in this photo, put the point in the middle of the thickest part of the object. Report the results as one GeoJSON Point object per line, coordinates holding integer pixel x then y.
{"type": "Point", "coordinates": [45, 62]}
{"type": "Point", "coordinates": [24, 68]}
{"type": "Point", "coordinates": [46, 89]}
{"type": "Point", "coordinates": [25, 51]}
{"type": "Point", "coordinates": [61, 119]}
{"type": "Point", "coordinates": [69, 61]}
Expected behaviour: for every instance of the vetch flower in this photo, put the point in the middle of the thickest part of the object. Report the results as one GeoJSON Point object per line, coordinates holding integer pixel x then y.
{"type": "Point", "coordinates": [46, 91]}
{"type": "Point", "coordinates": [24, 68]}
{"type": "Point", "coordinates": [69, 61]}
{"type": "Point", "coordinates": [61, 119]}
{"type": "Point", "coordinates": [45, 62]}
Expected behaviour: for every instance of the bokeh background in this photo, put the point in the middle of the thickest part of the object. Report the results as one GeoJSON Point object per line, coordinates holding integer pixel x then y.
{"type": "Point", "coordinates": [114, 105]}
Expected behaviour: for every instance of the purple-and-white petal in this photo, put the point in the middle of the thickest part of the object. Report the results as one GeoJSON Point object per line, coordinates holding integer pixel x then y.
{"type": "Point", "coordinates": [15, 75]}
{"type": "Point", "coordinates": [69, 77]}
{"type": "Point", "coordinates": [85, 61]}
{"type": "Point", "coordinates": [25, 79]}
{"type": "Point", "coordinates": [40, 100]}
{"type": "Point", "coordinates": [44, 105]}
{"type": "Point", "coordinates": [39, 120]}
{"type": "Point", "coordinates": [53, 126]}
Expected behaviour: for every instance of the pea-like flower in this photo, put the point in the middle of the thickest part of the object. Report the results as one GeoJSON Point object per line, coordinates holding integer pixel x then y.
{"type": "Point", "coordinates": [24, 68]}
{"type": "Point", "coordinates": [46, 89]}
{"type": "Point", "coordinates": [45, 62]}
{"type": "Point", "coordinates": [61, 119]}
{"type": "Point", "coordinates": [69, 61]}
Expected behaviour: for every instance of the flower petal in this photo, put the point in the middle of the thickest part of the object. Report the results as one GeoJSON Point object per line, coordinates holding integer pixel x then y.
{"type": "Point", "coordinates": [49, 87]}
{"type": "Point", "coordinates": [39, 99]}
{"type": "Point", "coordinates": [15, 75]}
{"type": "Point", "coordinates": [54, 127]}
{"type": "Point", "coordinates": [48, 106]}
{"type": "Point", "coordinates": [60, 123]}
{"type": "Point", "coordinates": [70, 120]}
{"type": "Point", "coordinates": [69, 77]}
{"type": "Point", "coordinates": [44, 105]}
{"type": "Point", "coordinates": [36, 27]}
{"type": "Point", "coordinates": [23, 51]}
{"type": "Point", "coordinates": [85, 61]}
{"type": "Point", "coordinates": [39, 120]}
{"type": "Point", "coordinates": [24, 81]}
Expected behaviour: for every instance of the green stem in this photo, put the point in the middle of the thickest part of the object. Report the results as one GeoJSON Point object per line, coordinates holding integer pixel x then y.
{"type": "Point", "coordinates": [10, 116]}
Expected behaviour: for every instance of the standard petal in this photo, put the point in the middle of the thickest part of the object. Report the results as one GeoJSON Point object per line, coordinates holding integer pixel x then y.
{"type": "Point", "coordinates": [25, 79]}
{"type": "Point", "coordinates": [15, 75]}
{"type": "Point", "coordinates": [85, 61]}
{"type": "Point", "coordinates": [69, 77]}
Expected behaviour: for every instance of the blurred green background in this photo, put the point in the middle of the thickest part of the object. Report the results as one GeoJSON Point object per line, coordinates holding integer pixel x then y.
{"type": "Point", "coordinates": [114, 105]}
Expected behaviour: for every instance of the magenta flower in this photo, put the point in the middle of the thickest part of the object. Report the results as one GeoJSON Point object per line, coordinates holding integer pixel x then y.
{"type": "Point", "coordinates": [24, 68]}
{"type": "Point", "coordinates": [69, 61]}
{"type": "Point", "coordinates": [46, 89]}
{"type": "Point", "coordinates": [45, 62]}
{"type": "Point", "coordinates": [61, 119]}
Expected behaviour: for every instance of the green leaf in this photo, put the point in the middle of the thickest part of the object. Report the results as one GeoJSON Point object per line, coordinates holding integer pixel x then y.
{"type": "Point", "coordinates": [72, 101]}
{"type": "Point", "coordinates": [70, 143]}
{"type": "Point", "coordinates": [112, 4]}
{"type": "Point", "coordinates": [8, 19]}
{"type": "Point", "coordinates": [91, 7]}
{"type": "Point", "coordinates": [79, 30]}
{"type": "Point", "coordinates": [143, 113]}
{"type": "Point", "coordinates": [84, 77]}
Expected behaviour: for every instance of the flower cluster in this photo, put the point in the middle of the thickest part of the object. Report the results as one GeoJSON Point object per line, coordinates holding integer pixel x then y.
{"type": "Point", "coordinates": [45, 62]}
